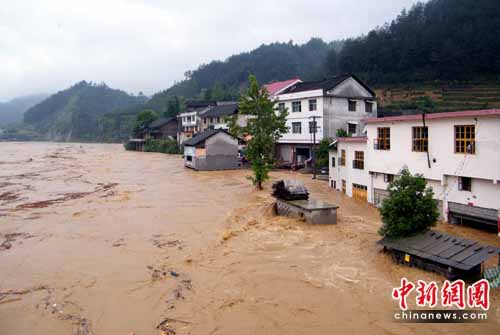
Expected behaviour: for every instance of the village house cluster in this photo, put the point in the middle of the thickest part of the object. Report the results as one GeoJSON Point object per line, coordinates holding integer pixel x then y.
{"type": "Point", "coordinates": [456, 152]}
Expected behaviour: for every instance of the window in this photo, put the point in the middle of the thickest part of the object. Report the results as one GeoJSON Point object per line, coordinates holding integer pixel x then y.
{"type": "Point", "coordinates": [359, 160]}
{"type": "Point", "coordinates": [218, 119]}
{"type": "Point", "coordinates": [343, 186]}
{"type": "Point", "coordinates": [333, 161]}
{"type": "Point", "coordinates": [189, 158]}
{"type": "Point", "coordinates": [342, 157]}
{"type": "Point", "coordinates": [388, 178]}
{"type": "Point", "coordinates": [312, 105]}
{"type": "Point", "coordinates": [296, 127]}
{"type": "Point", "coordinates": [368, 107]}
{"type": "Point", "coordinates": [383, 139]}
{"type": "Point", "coordinates": [205, 120]}
{"type": "Point", "coordinates": [420, 139]}
{"type": "Point", "coordinates": [211, 120]}
{"type": "Point", "coordinates": [296, 107]}
{"type": "Point", "coordinates": [352, 105]}
{"type": "Point", "coordinates": [351, 128]}
{"type": "Point", "coordinates": [189, 119]}
{"type": "Point", "coordinates": [464, 184]}
{"type": "Point", "coordinates": [281, 107]}
{"type": "Point", "coordinates": [465, 139]}
{"type": "Point", "coordinates": [313, 128]}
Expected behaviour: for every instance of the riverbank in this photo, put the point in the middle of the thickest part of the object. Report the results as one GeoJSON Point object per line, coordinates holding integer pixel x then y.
{"type": "Point", "coordinates": [104, 241]}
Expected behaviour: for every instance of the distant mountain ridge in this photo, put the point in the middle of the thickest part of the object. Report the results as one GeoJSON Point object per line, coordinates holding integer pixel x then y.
{"type": "Point", "coordinates": [75, 113]}
{"type": "Point", "coordinates": [12, 111]}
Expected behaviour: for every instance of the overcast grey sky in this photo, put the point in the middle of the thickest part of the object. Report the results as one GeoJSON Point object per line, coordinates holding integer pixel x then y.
{"type": "Point", "coordinates": [145, 45]}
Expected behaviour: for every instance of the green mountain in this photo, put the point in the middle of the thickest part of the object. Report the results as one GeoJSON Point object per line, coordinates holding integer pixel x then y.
{"type": "Point", "coordinates": [75, 113]}
{"type": "Point", "coordinates": [446, 40]}
{"type": "Point", "coordinates": [12, 111]}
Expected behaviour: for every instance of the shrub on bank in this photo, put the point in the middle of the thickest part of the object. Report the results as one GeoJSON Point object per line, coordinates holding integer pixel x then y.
{"type": "Point", "coordinates": [163, 146]}
{"type": "Point", "coordinates": [128, 146]}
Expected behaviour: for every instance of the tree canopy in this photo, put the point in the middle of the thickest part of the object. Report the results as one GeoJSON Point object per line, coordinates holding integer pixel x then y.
{"type": "Point", "coordinates": [410, 207]}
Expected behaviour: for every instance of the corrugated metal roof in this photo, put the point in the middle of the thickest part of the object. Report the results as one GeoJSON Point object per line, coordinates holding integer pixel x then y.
{"type": "Point", "coordinates": [444, 249]}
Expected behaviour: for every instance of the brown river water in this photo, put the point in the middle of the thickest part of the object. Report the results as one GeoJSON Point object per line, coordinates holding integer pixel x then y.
{"type": "Point", "coordinates": [97, 240]}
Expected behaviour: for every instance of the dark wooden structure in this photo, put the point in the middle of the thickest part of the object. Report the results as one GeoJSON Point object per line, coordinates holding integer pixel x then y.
{"type": "Point", "coordinates": [452, 256]}
{"type": "Point", "coordinates": [290, 190]}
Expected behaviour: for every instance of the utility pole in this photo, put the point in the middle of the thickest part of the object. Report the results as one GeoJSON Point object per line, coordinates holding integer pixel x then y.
{"type": "Point", "coordinates": [314, 130]}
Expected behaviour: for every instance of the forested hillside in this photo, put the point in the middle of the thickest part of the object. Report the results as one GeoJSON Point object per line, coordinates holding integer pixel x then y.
{"type": "Point", "coordinates": [13, 110]}
{"type": "Point", "coordinates": [75, 113]}
{"type": "Point", "coordinates": [445, 40]}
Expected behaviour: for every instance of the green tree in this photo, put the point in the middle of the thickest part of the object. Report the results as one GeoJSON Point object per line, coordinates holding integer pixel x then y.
{"type": "Point", "coordinates": [143, 119]}
{"type": "Point", "coordinates": [410, 207]}
{"type": "Point", "coordinates": [341, 132]}
{"type": "Point", "coordinates": [321, 153]}
{"type": "Point", "coordinates": [265, 126]}
{"type": "Point", "coordinates": [173, 107]}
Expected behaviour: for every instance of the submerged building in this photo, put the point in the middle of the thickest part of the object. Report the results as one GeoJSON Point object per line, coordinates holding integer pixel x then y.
{"type": "Point", "coordinates": [458, 153]}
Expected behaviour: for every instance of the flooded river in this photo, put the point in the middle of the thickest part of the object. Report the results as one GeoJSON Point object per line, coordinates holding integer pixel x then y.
{"type": "Point", "coordinates": [97, 240]}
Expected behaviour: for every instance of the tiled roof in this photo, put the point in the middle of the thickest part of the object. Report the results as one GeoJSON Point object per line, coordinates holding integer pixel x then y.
{"type": "Point", "coordinates": [221, 110]}
{"type": "Point", "coordinates": [277, 86]}
{"type": "Point", "coordinates": [161, 122]}
{"type": "Point", "coordinates": [324, 84]}
{"type": "Point", "coordinates": [200, 137]}
{"type": "Point", "coordinates": [433, 116]}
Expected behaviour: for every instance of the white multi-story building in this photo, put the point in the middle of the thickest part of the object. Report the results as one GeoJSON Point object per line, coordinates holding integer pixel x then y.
{"type": "Point", "coordinates": [333, 103]}
{"type": "Point", "coordinates": [458, 153]}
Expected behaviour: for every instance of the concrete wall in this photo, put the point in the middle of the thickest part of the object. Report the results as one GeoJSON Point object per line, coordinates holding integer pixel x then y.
{"type": "Point", "coordinates": [347, 173]}
{"type": "Point", "coordinates": [220, 153]}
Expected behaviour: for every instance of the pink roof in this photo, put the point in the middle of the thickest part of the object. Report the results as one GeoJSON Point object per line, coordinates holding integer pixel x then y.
{"type": "Point", "coordinates": [352, 139]}
{"type": "Point", "coordinates": [279, 86]}
{"type": "Point", "coordinates": [432, 116]}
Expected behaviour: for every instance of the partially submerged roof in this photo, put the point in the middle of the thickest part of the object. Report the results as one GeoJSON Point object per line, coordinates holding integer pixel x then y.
{"type": "Point", "coordinates": [161, 122]}
{"type": "Point", "coordinates": [221, 110]}
{"type": "Point", "coordinates": [444, 249]}
{"type": "Point", "coordinates": [201, 137]}
{"type": "Point", "coordinates": [435, 116]}
{"type": "Point", "coordinates": [324, 84]}
{"type": "Point", "coordinates": [278, 86]}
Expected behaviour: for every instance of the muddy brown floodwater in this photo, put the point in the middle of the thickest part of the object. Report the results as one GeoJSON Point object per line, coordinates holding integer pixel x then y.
{"type": "Point", "coordinates": [96, 240]}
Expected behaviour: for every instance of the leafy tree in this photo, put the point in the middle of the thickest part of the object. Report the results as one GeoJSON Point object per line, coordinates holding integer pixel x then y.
{"type": "Point", "coordinates": [321, 152]}
{"type": "Point", "coordinates": [341, 132]}
{"type": "Point", "coordinates": [173, 107]}
{"type": "Point", "coordinates": [144, 119]}
{"type": "Point", "coordinates": [410, 207]}
{"type": "Point", "coordinates": [265, 126]}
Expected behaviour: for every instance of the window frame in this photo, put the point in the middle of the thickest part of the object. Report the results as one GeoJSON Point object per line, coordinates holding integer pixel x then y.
{"type": "Point", "coordinates": [368, 103]}
{"type": "Point", "coordinates": [467, 129]}
{"type": "Point", "coordinates": [352, 105]}
{"type": "Point", "coordinates": [355, 127]}
{"type": "Point", "coordinates": [310, 128]}
{"type": "Point", "coordinates": [315, 102]}
{"type": "Point", "coordinates": [359, 160]}
{"type": "Point", "coordinates": [386, 138]}
{"type": "Point", "coordinates": [342, 157]}
{"type": "Point", "coordinates": [388, 178]}
{"type": "Point", "coordinates": [420, 139]}
{"type": "Point", "coordinates": [281, 107]}
{"type": "Point", "coordinates": [299, 127]}
{"type": "Point", "coordinates": [468, 187]}
{"type": "Point", "coordinates": [333, 161]}
{"type": "Point", "coordinates": [296, 103]}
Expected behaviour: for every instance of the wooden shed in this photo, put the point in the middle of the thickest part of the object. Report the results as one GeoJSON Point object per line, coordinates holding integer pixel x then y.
{"type": "Point", "coordinates": [452, 256]}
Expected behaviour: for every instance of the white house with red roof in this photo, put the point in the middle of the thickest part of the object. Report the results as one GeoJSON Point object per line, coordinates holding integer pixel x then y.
{"type": "Point", "coordinates": [458, 153]}
{"type": "Point", "coordinates": [276, 87]}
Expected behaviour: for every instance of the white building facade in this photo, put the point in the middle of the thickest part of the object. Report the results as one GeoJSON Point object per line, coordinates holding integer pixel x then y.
{"type": "Point", "coordinates": [458, 153]}
{"type": "Point", "coordinates": [339, 102]}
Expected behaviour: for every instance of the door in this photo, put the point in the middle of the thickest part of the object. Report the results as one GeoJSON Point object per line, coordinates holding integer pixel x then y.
{"type": "Point", "coordinates": [359, 192]}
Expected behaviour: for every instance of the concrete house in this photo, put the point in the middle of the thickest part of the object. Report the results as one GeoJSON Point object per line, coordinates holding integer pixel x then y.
{"type": "Point", "coordinates": [215, 117]}
{"type": "Point", "coordinates": [338, 102]}
{"type": "Point", "coordinates": [213, 149]}
{"type": "Point", "coordinates": [190, 120]}
{"type": "Point", "coordinates": [458, 153]}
